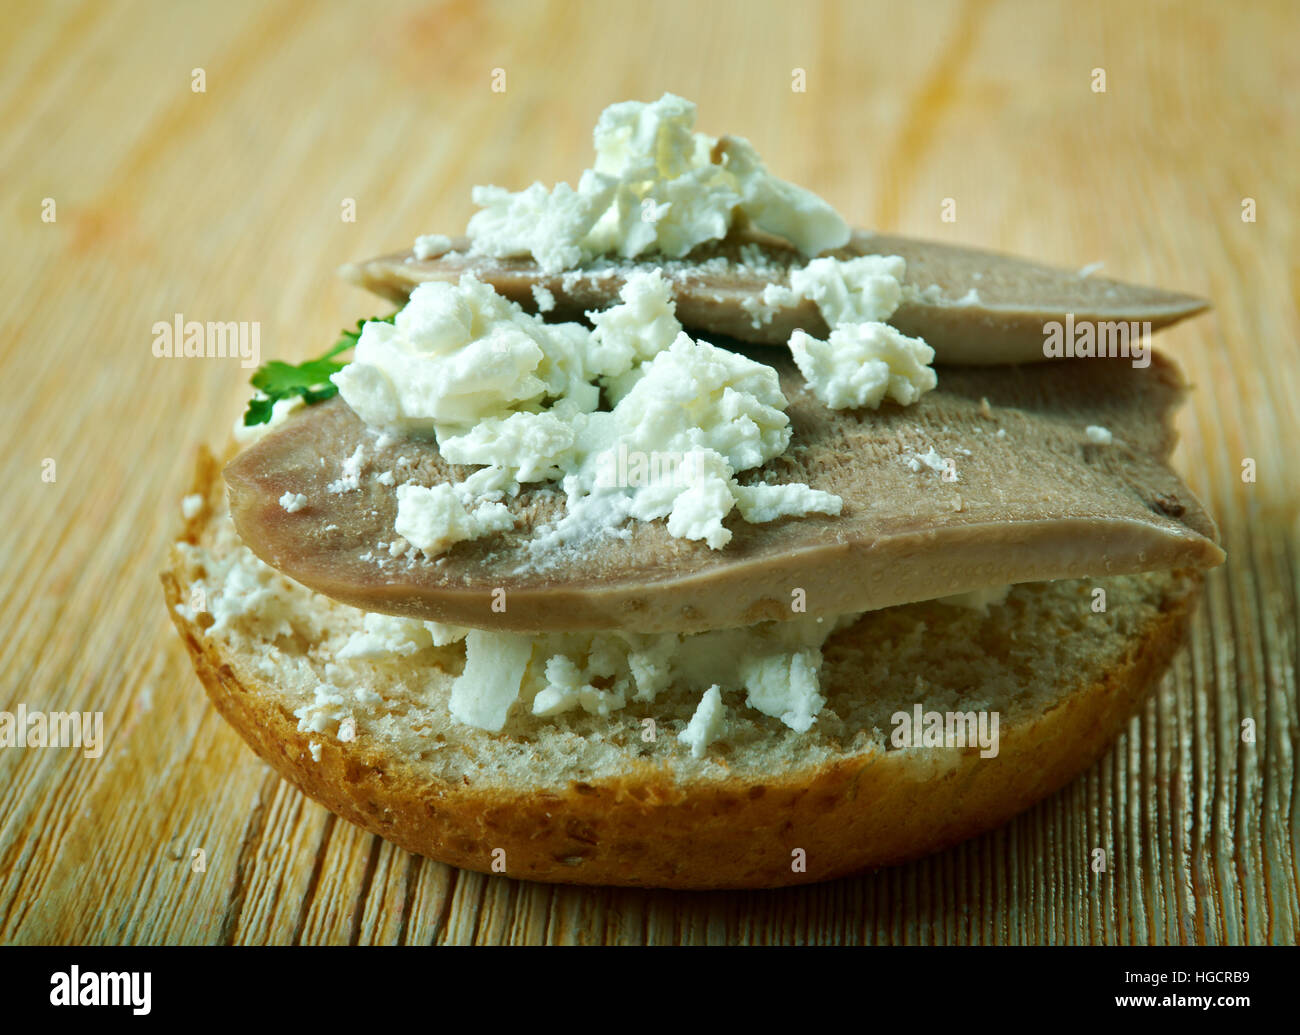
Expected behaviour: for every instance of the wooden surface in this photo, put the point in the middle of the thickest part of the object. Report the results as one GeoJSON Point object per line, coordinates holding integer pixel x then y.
{"type": "Point", "coordinates": [226, 205]}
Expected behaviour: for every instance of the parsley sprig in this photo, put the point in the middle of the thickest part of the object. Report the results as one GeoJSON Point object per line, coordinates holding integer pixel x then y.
{"type": "Point", "coordinates": [278, 380]}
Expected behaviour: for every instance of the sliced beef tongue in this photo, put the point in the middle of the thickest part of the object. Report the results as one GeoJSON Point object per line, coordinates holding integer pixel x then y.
{"type": "Point", "coordinates": [971, 306]}
{"type": "Point", "coordinates": [990, 479]}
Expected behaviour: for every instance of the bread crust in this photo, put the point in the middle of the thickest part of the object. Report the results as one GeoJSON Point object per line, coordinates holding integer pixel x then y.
{"type": "Point", "coordinates": [647, 829]}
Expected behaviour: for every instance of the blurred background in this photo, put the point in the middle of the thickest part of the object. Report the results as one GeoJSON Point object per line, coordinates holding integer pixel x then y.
{"type": "Point", "coordinates": [220, 160]}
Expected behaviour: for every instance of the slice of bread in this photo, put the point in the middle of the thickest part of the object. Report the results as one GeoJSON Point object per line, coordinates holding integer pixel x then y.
{"type": "Point", "coordinates": [589, 800]}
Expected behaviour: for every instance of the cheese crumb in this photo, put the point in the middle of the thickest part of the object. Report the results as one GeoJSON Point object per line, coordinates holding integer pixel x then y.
{"type": "Point", "coordinates": [192, 506]}
{"type": "Point", "coordinates": [866, 289]}
{"type": "Point", "coordinates": [706, 724]}
{"type": "Point", "coordinates": [656, 187]}
{"type": "Point", "coordinates": [503, 390]}
{"type": "Point", "coordinates": [862, 364]}
{"type": "Point", "coordinates": [293, 502]}
{"type": "Point", "coordinates": [433, 520]}
{"type": "Point", "coordinates": [544, 298]}
{"type": "Point", "coordinates": [349, 479]}
{"type": "Point", "coordinates": [1098, 435]}
{"type": "Point", "coordinates": [429, 246]}
{"type": "Point", "coordinates": [938, 464]}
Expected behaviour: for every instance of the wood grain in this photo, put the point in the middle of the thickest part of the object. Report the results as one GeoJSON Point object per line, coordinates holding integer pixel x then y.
{"type": "Point", "coordinates": [226, 205]}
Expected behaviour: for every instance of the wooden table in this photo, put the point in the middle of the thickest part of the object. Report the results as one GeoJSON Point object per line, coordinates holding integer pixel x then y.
{"type": "Point", "coordinates": [228, 204]}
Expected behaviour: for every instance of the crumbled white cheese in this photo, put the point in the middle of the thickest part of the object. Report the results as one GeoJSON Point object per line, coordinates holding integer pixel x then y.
{"type": "Point", "coordinates": [864, 360]}
{"type": "Point", "coordinates": [569, 687]}
{"type": "Point", "coordinates": [457, 354]}
{"type": "Point", "coordinates": [657, 187]}
{"type": "Point", "coordinates": [429, 246]}
{"type": "Point", "coordinates": [349, 479]}
{"type": "Point", "coordinates": [600, 672]}
{"type": "Point", "coordinates": [866, 289]}
{"type": "Point", "coordinates": [293, 502]}
{"type": "Point", "coordinates": [1098, 435]}
{"type": "Point", "coordinates": [314, 748]}
{"type": "Point", "coordinates": [249, 596]}
{"type": "Point", "coordinates": [931, 459]}
{"type": "Point", "coordinates": [785, 686]}
{"type": "Point", "coordinates": [503, 389]}
{"type": "Point", "coordinates": [385, 637]}
{"type": "Point", "coordinates": [434, 519]}
{"type": "Point", "coordinates": [495, 664]}
{"type": "Point", "coordinates": [706, 724]}
{"type": "Point", "coordinates": [931, 294]}
{"type": "Point", "coordinates": [760, 503]}
{"type": "Point", "coordinates": [544, 298]}
{"type": "Point", "coordinates": [705, 414]}
{"type": "Point", "coordinates": [862, 364]}
{"type": "Point", "coordinates": [192, 506]}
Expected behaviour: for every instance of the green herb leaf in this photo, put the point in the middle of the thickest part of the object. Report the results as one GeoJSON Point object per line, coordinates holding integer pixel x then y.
{"type": "Point", "coordinates": [278, 380]}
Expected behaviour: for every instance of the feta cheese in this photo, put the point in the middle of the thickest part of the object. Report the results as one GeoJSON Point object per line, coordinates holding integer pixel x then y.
{"type": "Point", "coordinates": [549, 225]}
{"type": "Point", "coordinates": [544, 298]}
{"type": "Point", "coordinates": [433, 520]}
{"type": "Point", "coordinates": [455, 353]}
{"type": "Point", "coordinates": [864, 360]}
{"type": "Point", "coordinates": [386, 636]}
{"type": "Point", "coordinates": [705, 414]}
{"type": "Point", "coordinates": [656, 187]}
{"type": "Point", "coordinates": [863, 290]}
{"type": "Point", "coordinates": [785, 686]}
{"type": "Point", "coordinates": [760, 503]}
{"type": "Point", "coordinates": [568, 687]}
{"type": "Point", "coordinates": [429, 246]}
{"type": "Point", "coordinates": [192, 506]}
{"type": "Point", "coordinates": [600, 672]}
{"type": "Point", "coordinates": [503, 389]}
{"type": "Point", "coordinates": [1098, 435]}
{"type": "Point", "coordinates": [495, 664]}
{"type": "Point", "coordinates": [293, 502]}
{"type": "Point", "coordinates": [349, 479]}
{"type": "Point", "coordinates": [864, 363]}
{"type": "Point", "coordinates": [936, 463]}
{"type": "Point", "coordinates": [706, 724]}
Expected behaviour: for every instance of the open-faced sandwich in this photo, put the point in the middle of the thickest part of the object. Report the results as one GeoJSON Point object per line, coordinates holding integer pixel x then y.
{"type": "Point", "coordinates": [672, 533]}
